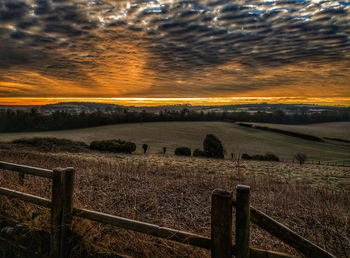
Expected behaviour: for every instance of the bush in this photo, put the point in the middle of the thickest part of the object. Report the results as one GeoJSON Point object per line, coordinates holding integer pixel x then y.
{"type": "Point", "coordinates": [128, 147]}
{"type": "Point", "coordinates": [53, 144]}
{"type": "Point", "coordinates": [272, 157]}
{"type": "Point", "coordinates": [245, 125]}
{"type": "Point", "coordinates": [301, 158]}
{"type": "Point", "coordinates": [258, 157]}
{"type": "Point", "coordinates": [267, 157]}
{"type": "Point", "coordinates": [117, 146]}
{"type": "Point", "coordinates": [183, 151]}
{"type": "Point", "coordinates": [198, 153]}
{"type": "Point", "coordinates": [246, 156]}
{"type": "Point", "coordinates": [213, 147]}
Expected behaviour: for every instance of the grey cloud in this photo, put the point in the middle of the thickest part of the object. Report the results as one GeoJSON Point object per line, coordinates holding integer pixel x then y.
{"type": "Point", "coordinates": [12, 10]}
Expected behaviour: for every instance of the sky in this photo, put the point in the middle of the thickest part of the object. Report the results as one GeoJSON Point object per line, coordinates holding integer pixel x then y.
{"type": "Point", "coordinates": [175, 51]}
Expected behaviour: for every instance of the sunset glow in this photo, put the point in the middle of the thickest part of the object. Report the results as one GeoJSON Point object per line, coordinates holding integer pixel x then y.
{"type": "Point", "coordinates": [139, 102]}
{"type": "Point", "coordinates": [160, 52]}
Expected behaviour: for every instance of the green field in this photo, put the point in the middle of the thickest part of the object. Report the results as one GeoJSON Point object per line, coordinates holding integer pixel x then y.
{"type": "Point", "coordinates": [236, 139]}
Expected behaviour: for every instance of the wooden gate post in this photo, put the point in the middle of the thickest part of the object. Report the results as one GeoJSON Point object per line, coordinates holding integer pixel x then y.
{"type": "Point", "coordinates": [57, 213]}
{"type": "Point", "coordinates": [242, 221]}
{"type": "Point", "coordinates": [221, 224]}
{"type": "Point", "coordinates": [66, 237]}
{"type": "Point", "coordinates": [61, 212]}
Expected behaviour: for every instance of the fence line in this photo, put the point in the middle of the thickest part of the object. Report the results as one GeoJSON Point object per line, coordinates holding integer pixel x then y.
{"type": "Point", "coordinates": [288, 236]}
{"type": "Point", "coordinates": [221, 224]}
{"type": "Point", "coordinates": [146, 228]}
{"type": "Point", "coordinates": [220, 243]}
{"type": "Point", "coordinates": [26, 197]}
{"type": "Point", "coordinates": [26, 169]}
{"type": "Point", "coordinates": [242, 221]}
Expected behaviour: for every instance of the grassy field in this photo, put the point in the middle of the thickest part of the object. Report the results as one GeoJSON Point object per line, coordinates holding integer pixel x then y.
{"type": "Point", "coordinates": [175, 192]}
{"type": "Point", "coordinates": [333, 130]}
{"type": "Point", "coordinates": [236, 139]}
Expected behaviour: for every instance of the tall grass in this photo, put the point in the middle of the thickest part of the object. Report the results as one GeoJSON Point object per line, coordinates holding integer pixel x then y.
{"type": "Point", "coordinates": [174, 192]}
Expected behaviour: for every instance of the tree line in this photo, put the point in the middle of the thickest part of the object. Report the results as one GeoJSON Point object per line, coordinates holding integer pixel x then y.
{"type": "Point", "coordinates": [19, 121]}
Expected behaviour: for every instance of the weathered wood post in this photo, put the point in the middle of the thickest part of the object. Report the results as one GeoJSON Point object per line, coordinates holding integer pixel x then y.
{"type": "Point", "coordinates": [57, 212]}
{"type": "Point", "coordinates": [21, 178]}
{"type": "Point", "coordinates": [221, 224]}
{"type": "Point", "coordinates": [242, 221]}
{"type": "Point", "coordinates": [66, 236]}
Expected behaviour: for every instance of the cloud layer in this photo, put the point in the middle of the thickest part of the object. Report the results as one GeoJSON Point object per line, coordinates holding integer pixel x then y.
{"type": "Point", "coordinates": [174, 48]}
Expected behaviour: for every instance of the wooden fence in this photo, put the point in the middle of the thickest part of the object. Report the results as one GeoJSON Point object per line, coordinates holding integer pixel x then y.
{"type": "Point", "coordinates": [220, 242]}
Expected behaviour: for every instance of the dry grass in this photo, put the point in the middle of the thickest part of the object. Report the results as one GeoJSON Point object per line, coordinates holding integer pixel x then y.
{"type": "Point", "coordinates": [175, 192]}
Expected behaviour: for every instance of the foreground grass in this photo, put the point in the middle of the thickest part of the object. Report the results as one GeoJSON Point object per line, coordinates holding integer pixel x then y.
{"type": "Point", "coordinates": [175, 192]}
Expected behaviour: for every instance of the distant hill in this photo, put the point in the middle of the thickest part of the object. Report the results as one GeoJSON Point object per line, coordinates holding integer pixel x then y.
{"type": "Point", "coordinates": [80, 106]}
{"type": "Point", "coordinates": [251, 108]}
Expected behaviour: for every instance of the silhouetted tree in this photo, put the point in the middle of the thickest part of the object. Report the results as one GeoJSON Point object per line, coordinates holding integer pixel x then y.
{"type": "Point", "coordinates": [212, 147]}
{"type": "Point", "coordinates": [144, 147]}
{"type": "Point", "coordinates": [301, 158]}
{"type": "Point", "coordinates": [33, 120]}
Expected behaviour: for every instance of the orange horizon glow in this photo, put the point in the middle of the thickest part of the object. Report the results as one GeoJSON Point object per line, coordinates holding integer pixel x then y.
{"type": "Point", "coordinates": [168, 52]}
{"type": "Point", "coordinates": [139, 102]}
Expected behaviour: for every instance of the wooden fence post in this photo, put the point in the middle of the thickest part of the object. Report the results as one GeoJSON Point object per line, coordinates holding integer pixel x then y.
{"type": "Point", "coordinates": [242, 221]}
{"type": "Point", "coordinates": [221, 224]}
{"type": "Point", "coordinates": [57, 213]}
{"type": "Point", "coordinates": [21, 178]}
{"type": "Point", "coordinates": [66, 237]}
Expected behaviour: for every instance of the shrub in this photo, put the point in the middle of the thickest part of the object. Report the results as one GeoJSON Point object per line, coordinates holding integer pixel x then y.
{"type": "Point", "coordinates": [245, 125]}
{"type": "Point", "coordinates": [104, 145]}
{"type": "Point", "coordinates": [117, 146]}
{"type": "Point", "coordinates": [198, 153]}
{"type": "Point", "coordinates": [272, 157]}
{"type": "Point", "coordinates": [213, 147]}
{"type": "Point", "coordinates": [258, 157]}
{"type": "Point", "coordinates": [128, 147]}
{"type": "Point", "coordinates": [246, 156]}
{"type": "Point", "coordinates": [53, 144]}
{"type": "Point", "coordinates": [144, 147]}
{"type": "Point", "coordinates": [267, 157]}
{"type": "Point", "coordinates": [289, 133]}
{"type": "Point", "coordinates": [301, 158]}
{"type": "Point", "coordinates": [183, 151]}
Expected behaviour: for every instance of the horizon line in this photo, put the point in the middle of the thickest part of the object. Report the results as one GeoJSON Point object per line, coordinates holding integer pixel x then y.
{"type": "Point", "coordinates": [194, 101]}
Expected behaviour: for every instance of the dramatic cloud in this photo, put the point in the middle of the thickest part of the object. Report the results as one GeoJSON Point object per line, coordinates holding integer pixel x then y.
{"type": "Point", "coordinates": [174, 48]}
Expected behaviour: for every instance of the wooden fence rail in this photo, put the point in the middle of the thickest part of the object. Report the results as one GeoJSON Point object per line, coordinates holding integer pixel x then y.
{"type": "Point", "coordinates": [26, 169]}
{"type": "Point", "coordinates": [26, 197]}
{"type": "Point", "coordinates": [146, 228]}
{"type": "Point", "coordinates": [287, 235]}
{"type": "Point", "coordinates": [220, 242]}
